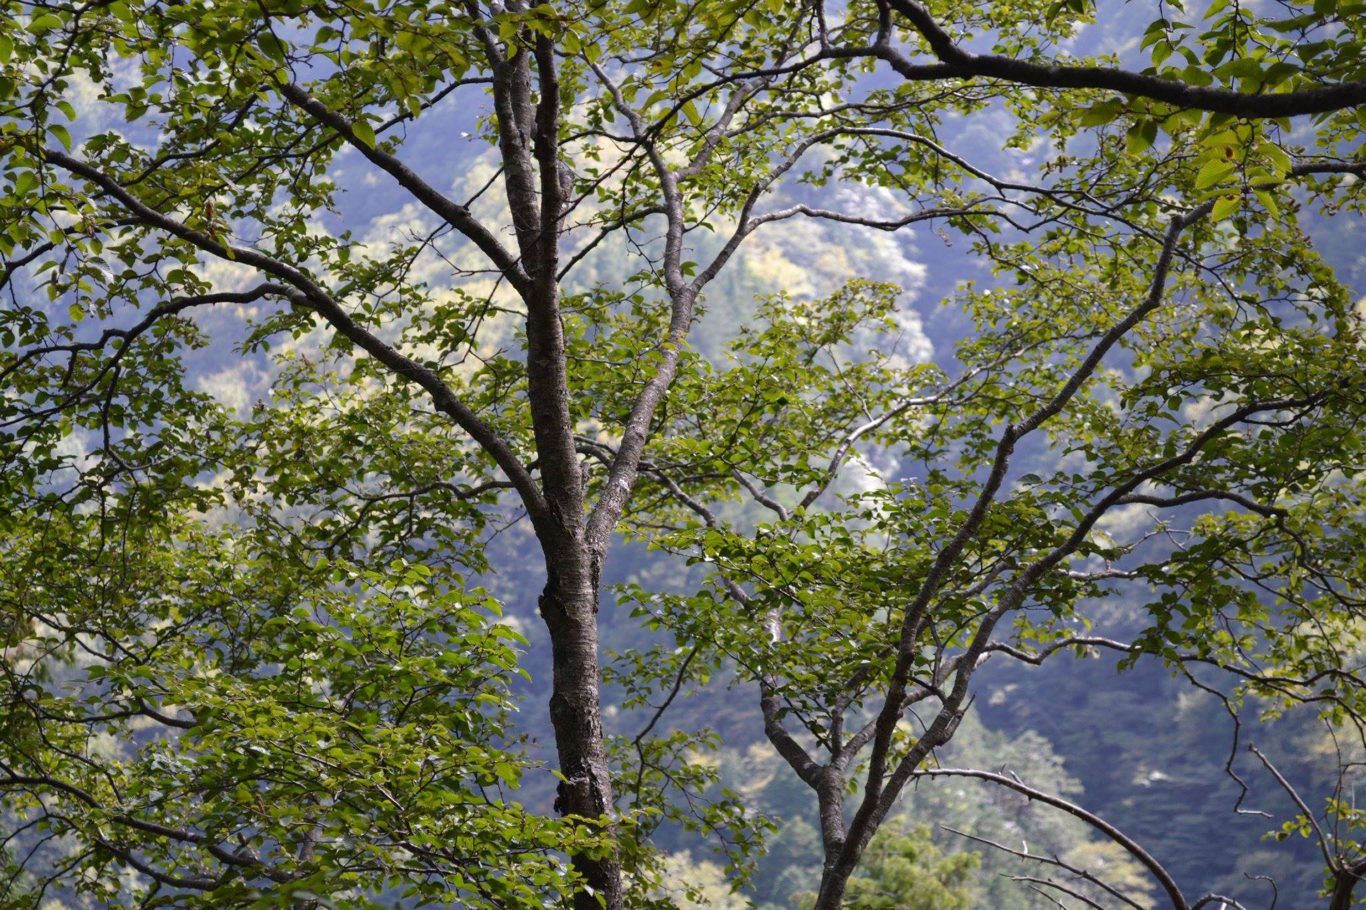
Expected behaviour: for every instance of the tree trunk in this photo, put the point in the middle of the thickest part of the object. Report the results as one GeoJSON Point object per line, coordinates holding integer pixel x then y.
{"type": "Point", "coordinates": [831, 894]}
{"type": "Point", "coordinates": [842, 854]}
{"type": "Point", "coordinates": [1345, 879]}
{"type": "Point", "coordinates": [569, 605]}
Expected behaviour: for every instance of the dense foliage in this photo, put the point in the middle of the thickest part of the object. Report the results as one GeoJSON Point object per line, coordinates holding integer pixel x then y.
{"type": "Point", "coordinates": [282, 375]}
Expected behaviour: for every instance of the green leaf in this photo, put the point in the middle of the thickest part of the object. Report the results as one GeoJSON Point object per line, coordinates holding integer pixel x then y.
{"type": "Point", "coordinates": [271, 45]}
{"type": "Point", "coordinates": [1213, 172]}
{"type": "Point", "coordinates": [1278, 157]}
{"type": "Point", "coordinates": [1225, 206]}
{"type": "Point", "coordinates": [1102, 113]}
{"type": "Point", "coordinates": [44, 23]}
{"type": "Point", "coordinates": [364, 133]}
{"type": "Point", "coordinates": [62, 134]}
{"type": "Point", "coordinates": [1140, 137]}
{"type": "Point", "coordinates": [1268, 200]}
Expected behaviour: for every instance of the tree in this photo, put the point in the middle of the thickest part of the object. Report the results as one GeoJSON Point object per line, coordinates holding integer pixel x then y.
{"type": "Point", "coordinates": [907, 870]}
{"type": "Point", "coordinates": [1161, 319]}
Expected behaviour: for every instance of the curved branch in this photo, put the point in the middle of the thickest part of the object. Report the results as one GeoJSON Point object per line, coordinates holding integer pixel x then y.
{"type": "Point", "coordinates": [455, 214]}
{"type": "Point", "coordinates": [1131, 846]}
{"type": "Point", "coordinates": [128, 335]}
{"type": "Point", "coordinates": [237, 859]}
{"type": "Point", "coordinates": [1223, 101]}
{"type": "Point", "coordinates": [1078, 872]}
{"type": "Point", "coordinates": [881, 224]}
{"type": "Point", "coordinates": [301, 290]}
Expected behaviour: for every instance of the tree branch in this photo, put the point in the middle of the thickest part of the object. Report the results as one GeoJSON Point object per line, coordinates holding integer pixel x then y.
{"type": "Point", "coordinates": [453, 213]}
{"type": "Point", "coordinates": [1131, 846]}
{"type": "Point", "coordinates": [964, 64]}
{"type": "Point", "coordinates": [303, 291]}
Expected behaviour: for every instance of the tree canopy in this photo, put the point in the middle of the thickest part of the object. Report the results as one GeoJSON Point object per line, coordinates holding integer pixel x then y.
{"type": "Point", "coordinates": [251, 657]}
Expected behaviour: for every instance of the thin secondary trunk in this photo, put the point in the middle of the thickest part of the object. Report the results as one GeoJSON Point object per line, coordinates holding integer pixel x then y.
{"type": "Point", "coordinates": [1345, 881]}
{"type": "Point", "coordinates": [569, 605]}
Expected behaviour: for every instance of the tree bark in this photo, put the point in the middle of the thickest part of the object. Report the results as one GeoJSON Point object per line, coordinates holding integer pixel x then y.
{"type": "Point", "coordinates": [569, 606]}
{"type": "Point", "coordinates": [1345, 879]}
{"type": "Point", "coordinates": [528, 140]}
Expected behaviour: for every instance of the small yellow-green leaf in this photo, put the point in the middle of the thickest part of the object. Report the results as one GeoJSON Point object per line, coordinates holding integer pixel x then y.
{"type": "Point", "coordinates": [1182, 120]}
{"type": "Point", "coordinates": [364, 133]}
{"type": "Point", "coordinates": [43, 24]}
{"type": "Point", "coordinates": [1224, 206]}
{"type": "Point", "coordinates": [63, 136]}
{"type": "Point", "coordinates": [1277, 156]}
{"type": "Point", "coordinates": [1214, 171]}
{"type": "Point", "coordinates": [1220, 139]}
{"type": "Point", "coordinates": [25, 182]}
{"type": "Point", "coordinates": [1268, 200]}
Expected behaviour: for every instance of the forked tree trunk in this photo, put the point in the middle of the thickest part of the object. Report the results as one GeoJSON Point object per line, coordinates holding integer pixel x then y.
{"type": "Point", "coordinates": [1345, 880]}
{"type": "Point", "coordinates": [528, 140]}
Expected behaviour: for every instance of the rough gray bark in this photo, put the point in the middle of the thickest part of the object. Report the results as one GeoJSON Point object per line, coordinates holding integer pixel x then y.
{"type": "Point", "coordinates": [569, 606]}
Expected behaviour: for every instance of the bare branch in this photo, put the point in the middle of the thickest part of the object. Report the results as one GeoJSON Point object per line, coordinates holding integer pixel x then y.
{"type": "Point", "coordinates": [1329, 857]}
{"type": "Point", "coordinates": [447, 209]}
{"type": "Point", "coordinates": [1080, 873]}
{"type": "Point", "coordinates": [1132, 847]}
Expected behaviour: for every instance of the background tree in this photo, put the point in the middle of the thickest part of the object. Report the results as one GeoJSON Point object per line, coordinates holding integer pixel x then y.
{"type": "Point", "coordinates": [1161, 321]}
{"type": "Point", "coordinates": [1174, 358]}
{"type": "Point", "coordinates": [907, 870]}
